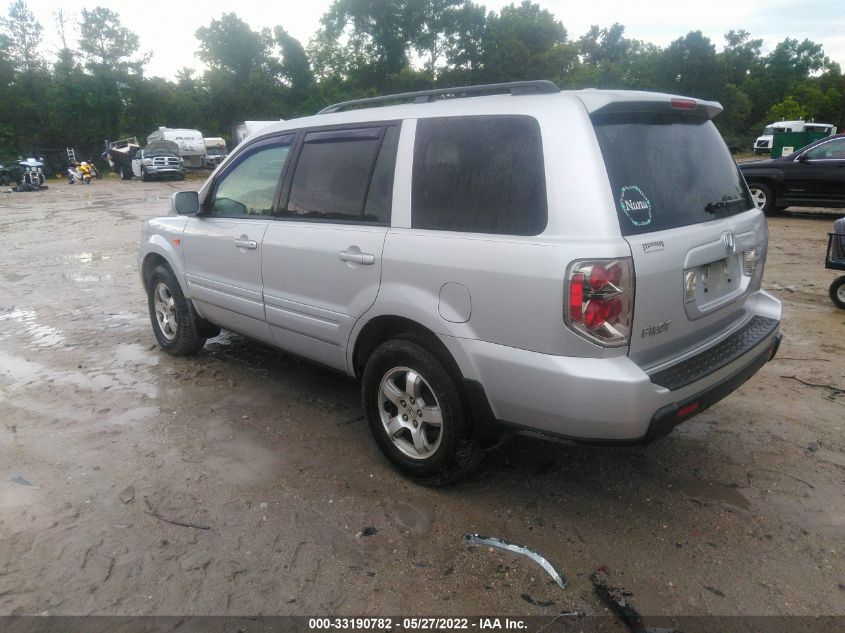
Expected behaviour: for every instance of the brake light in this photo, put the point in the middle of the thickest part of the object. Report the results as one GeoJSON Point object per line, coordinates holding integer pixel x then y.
{"type": "Point", "coordinates": [683, 104]}
{"type": "Point", "coordinates": [600, 297]}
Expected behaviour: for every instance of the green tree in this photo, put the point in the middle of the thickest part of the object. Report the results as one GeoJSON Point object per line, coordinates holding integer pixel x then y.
{"type": "Point", "coordinates": [689, 66]}
{"type": "Point", "coordinates": [434, 21]}
{"type": "Point", "coordinates": [244, 79]}
{"type": "Point", "coordinates": [295, 67]}
{"type": "Point", "coordinates": [526, 42]}
{"type": "Point", "coordinates": [22, 34]}
{"type": "Point", "coordinates": [741, 56]}
{"type": "Point", "coordinates": [378, 35]}
{"type": "Point", "coordinates": [787, 110]}
{"type": "Point", "coordinates": [107, 45]}
{"type": "Point", "coordinates": [611, 60]}
{"type": "Point", "coordinates": [464, 50]}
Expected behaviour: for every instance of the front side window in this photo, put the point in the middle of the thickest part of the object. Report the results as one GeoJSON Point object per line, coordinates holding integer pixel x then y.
{"type": "Point", "coordinates": [249, 188]}
{"type": "Point", "coordinates": [479, 174]}
{"type": "Point", "coordinates": [832, 150]}
{"type": "Point", "coordinates": [333, 175]}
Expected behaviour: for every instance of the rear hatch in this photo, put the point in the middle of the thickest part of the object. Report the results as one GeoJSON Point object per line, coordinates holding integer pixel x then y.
{"type": "Point", "coordinates": [697, 241]}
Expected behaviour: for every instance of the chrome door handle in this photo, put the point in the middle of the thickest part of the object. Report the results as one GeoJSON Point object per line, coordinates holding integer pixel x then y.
{"type": "Point", "coordinates": [242, 243]}
{"type": "Point", "coordinates": [357, 258]}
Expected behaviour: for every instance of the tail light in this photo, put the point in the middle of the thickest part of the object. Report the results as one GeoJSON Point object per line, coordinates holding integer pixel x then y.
{"type": "Point", "coordinates": [600, 300]}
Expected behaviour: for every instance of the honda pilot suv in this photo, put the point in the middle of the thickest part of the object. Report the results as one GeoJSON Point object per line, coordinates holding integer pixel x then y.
{"type": "Point", "coordinates": [580, 264]}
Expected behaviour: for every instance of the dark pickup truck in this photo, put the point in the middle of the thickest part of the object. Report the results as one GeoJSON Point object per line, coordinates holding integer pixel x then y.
{"type": "Point", "coordinates": [814, 176]}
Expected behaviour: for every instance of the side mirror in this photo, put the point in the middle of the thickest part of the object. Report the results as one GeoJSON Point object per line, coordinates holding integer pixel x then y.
{"type": "Point", "coordinates": [186, 202]}
{"type": "Point", "coordinates": [803, 158]}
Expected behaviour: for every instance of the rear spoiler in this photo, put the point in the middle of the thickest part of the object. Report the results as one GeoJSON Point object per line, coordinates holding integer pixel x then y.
{"type": "Point", "coordinates": [622, 101]}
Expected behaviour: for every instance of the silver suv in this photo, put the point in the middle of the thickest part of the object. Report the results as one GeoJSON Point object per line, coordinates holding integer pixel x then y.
{"type": "Point", "coordinates": [583, 264]}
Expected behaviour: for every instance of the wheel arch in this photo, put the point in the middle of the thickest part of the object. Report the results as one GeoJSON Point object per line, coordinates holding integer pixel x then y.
{"type": "Point", "coordinates": [382, 328]}
{"type": "Point", "coordinates": [161, 251]}
{"type": "Point", "coordinates": [386, 326]}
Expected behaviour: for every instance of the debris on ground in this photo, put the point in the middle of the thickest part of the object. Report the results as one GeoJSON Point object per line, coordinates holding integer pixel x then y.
{"type": "Point", "coordinates": [367, 531]}
{"type": "Point", "coordinates": [616, 600]}
{"type": "Point", "coordinates": [149, 510]}
{"type": "Point", "coordinates": [17, 479]}
{"type": "Point", "coordinates": [127, 495]}
{"type": "Point", "coordinates": [834, 391]}
{"type": "Point", "coordinates": [539, 603]}
{"type": "Point", "coordinates": [715, 591]}
{"type": "Point", "coordinates": [477, 539]}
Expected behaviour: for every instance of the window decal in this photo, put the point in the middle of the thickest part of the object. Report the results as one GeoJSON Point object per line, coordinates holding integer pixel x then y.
{"type": "Point", "coordinates": [634, 204]}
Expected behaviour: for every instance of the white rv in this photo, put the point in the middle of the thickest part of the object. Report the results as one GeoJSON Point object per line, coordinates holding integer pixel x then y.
{"type": "Point", "coordinates": [241, 130]}
{"type": "Point", "coordinates": [215, 151]}
{"type": "Point", "coordinates": [190, 142]}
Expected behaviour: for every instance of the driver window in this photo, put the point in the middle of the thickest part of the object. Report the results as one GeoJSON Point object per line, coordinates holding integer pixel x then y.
{"type": "Point", "coordinates": [249, 189]}
{"type": "Point", "coordinates": [834, 150]}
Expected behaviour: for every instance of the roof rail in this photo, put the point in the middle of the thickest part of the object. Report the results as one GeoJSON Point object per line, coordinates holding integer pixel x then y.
{"type": "Point", "coordinates": [540, 86]}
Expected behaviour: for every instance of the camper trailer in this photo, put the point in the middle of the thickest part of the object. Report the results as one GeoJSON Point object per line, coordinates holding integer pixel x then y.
{"type": "Point", "coordinates": [215, 151]}
{"type": "Point", "coordinates": [190, 142]}
{"type": "Point", "coordinates": [241, 130]}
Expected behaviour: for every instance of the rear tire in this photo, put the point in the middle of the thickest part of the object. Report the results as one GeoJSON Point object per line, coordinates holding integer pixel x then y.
{"type": "Point", "coordinates": [837, 292]}
{"type": "Point", "coordinates": [763, 197]}
{"type": "Point", "coordinates": [417, 414]}
{"type": "Point", "coordinates": [173, 318]}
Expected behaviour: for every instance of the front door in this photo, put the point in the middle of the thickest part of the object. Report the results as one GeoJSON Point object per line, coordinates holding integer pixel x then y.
{"type": "Point", "coordinates": [321, 258]}
{"type": "Point", "coordinates": [222, 244]}
{"type": "Point", "coordinates": [820, 174]}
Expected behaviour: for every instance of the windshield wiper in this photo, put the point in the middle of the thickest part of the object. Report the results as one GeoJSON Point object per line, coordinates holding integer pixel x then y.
{"type": "Point", "coordinates": [724, 203]}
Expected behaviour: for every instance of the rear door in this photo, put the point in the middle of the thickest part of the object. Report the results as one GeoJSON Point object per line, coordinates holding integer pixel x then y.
{"type": "Point", "coordinates": [695, 235]}
{"type": "Point", "coordinates": [321, 258]}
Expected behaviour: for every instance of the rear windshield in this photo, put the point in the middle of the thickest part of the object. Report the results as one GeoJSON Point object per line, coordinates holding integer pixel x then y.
{"type": "Point", "coordinates": [668, 170]}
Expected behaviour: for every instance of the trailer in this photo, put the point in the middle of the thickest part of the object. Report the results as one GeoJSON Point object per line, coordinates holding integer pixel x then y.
{"type": "Point", "coordinates": [215, 151]}
{"type": "Point", "coordinates": [241, 130]}
{"type": "Point", "coordinates": [190, 142]}
{"type": "Point", "coordinates": [119, 155]}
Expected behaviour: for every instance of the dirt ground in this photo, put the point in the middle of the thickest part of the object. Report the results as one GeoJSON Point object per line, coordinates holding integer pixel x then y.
{"type": "Point", "coordinates": [102, 437]}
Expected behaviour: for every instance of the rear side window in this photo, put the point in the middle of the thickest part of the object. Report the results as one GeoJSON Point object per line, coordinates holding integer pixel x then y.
{"type": "Point", "coordinates": [668, 171]}
{"type": "Point", "coordinates": [480, 174]}
{"type": "Point", "coordinates": [333, 175]}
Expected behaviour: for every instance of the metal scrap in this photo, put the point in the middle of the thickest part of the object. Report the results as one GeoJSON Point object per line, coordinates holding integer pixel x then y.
{"type": "Point", "coordinates": [477, 539]}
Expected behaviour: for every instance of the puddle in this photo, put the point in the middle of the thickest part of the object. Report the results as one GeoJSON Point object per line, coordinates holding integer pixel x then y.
{"type": "Point", "coordinates": [240, 461]}
{"type": "Point", "coordinates": [707, 492]}
{"type": "Point", "coordinates": [85, 278]}
{"type": "Point", "coordinates": [416, 518]}
{"type": "Point", "coordinates": [41, 335]}
{"type": "Point", "coordinates": [133, 415]}
{"type": "Point", "coordinates": [14, 277]}
{"type": "Point", "coordinates": [22, 372]}
{"type": "Point", "coordinates": [135, 354]}
{"type": "Point", "coordinates": [19, 369]}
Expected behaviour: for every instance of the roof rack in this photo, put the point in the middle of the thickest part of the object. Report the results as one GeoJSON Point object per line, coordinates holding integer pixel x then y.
{"type": "Point", "coordinates": [540, 86]}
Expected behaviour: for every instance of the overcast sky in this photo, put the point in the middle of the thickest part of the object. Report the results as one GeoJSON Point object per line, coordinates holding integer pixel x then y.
{"type": "Point", "coordinates": [167, 28]}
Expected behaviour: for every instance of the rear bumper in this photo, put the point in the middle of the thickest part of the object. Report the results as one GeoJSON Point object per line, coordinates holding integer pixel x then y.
{"type": "Point", "coordinates": [602, 400]}
{"type": "Point", "coordinates": [673, 414]}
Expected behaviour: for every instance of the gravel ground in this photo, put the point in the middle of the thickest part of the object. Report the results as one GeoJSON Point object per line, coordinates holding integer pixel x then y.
{"type": "Point", "coordinates": [108, 446]}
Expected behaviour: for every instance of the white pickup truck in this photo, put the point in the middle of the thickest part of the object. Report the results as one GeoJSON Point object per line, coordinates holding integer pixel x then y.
{"type": "Point", "coordinates": [159, 159]}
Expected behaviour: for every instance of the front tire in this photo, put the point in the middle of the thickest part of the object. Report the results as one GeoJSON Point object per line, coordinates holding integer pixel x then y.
{"type": "Point", "coordinates": [837, 292]}
{"type": "Point", "coordinates": [175, 324]}
{"type": "Point", "coordinates": [416, 413]}
{"type": "Point", "coordinates": [763, 197]}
